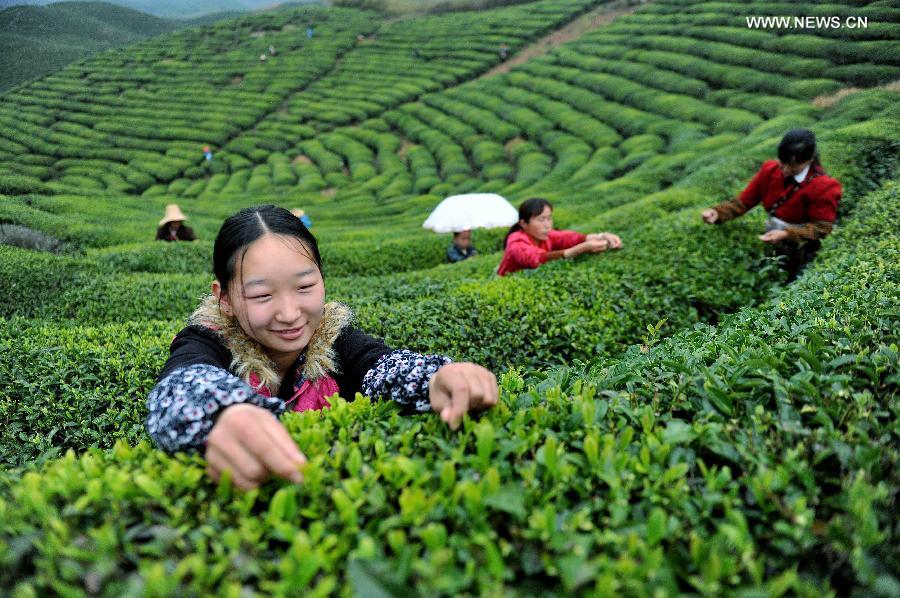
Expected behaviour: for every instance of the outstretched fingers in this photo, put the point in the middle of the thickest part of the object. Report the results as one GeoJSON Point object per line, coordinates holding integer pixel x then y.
{"type": "Point", "coordinates": [488, 393]}
{"type": "Point", "coordinates": [457, 388]}
{"type": "Point", "coordinates": [276, 450]}
{"type": "Point", "coordinates": [614, 241]}
{"type": "Point", "coordinates": [459, 395]}
{"type": "Point", "coordinates": [246, 471]}
{"type": "Point", "coordinates": [251, 444]}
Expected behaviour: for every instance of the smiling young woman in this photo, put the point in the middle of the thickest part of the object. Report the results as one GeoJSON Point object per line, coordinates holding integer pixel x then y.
{"type": "Point", "coordinates": [266, 342]}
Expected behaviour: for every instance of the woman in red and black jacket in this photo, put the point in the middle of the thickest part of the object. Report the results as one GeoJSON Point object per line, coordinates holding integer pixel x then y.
{"type": "Point", "coordinates": [801, 200]}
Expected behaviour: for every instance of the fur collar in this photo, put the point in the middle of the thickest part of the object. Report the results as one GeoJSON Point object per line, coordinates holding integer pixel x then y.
{"type": "Point", "coordinates": [248, 356]}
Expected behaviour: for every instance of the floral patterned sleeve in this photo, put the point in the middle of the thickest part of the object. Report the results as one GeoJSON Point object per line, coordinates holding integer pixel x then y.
{"type": "Point", "coordinates": [403, 376]}
{"type": "Point", "coordinates": [184, 405]}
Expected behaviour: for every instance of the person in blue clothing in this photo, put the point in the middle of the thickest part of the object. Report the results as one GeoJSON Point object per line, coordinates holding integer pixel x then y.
{"type": "Point", "coordinates": [304, 218]}
{"type": "Point", "coordinates": [461, 248]}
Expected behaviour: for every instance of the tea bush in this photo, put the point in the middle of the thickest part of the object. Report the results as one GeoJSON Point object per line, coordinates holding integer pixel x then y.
{"type": "Point", "coordinates": [74, 386]}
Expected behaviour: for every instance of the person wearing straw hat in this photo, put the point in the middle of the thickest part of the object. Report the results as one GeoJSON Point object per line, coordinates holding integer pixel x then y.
{"type": "Point", "coordinates": [172, 228]}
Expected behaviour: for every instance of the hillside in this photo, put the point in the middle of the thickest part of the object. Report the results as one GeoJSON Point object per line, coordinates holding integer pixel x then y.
{"type": "Point", "coordinates": [35, 40]}
{"type": "Point", "coordinates": [181, 9]}
{"type": "Point", "coordinates": [177, 9]}
{"type": "Point", "coordinates": [675, 419]}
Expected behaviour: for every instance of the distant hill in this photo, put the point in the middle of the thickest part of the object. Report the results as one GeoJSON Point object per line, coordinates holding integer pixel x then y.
{"type": "Point", "coordinates": [179, 9]}
{"type": "Point", "coordinates": [37, 40]}
{"type": "Point", "coordinates": [186, 9]}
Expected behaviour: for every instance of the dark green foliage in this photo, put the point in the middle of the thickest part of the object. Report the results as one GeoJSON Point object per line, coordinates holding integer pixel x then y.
{"type": "Point", "coordinates": [21, 185]}
{"type": "Point", "coordinates": [74, 386]}
{"type": "Point", "coordinates": [864, 75]}
{"type": "Point", "coordinates": [567, 311]}
{"type": "Point", "coordinates": [28, 279]}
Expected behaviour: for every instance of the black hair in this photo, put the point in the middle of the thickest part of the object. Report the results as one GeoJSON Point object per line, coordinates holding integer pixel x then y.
{"type": "Point", "coordinates": [248, 225]}
{"type": "Point", "coordinates": [798, 146]}
{"type": "Point", "coordinates": [528, 210]}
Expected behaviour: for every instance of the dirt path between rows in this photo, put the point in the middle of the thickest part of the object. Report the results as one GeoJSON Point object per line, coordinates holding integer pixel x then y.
{"type": "Point", "coordinates": [602, 15]}
{"type": "Point", "coordinates": [829, 100]}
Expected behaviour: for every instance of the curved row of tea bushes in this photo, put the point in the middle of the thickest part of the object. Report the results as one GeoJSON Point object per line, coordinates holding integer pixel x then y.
{"type": "Point", "coordinates": [413, 53]}
{"type": "Point", "coordinates": [755, 457]}
{"type": "Point", "coordinates": [622, 90]}
{"type": "Point", "coordinates": [628, 84]}
{"type": "Point", "coordinates": [350, 92]}
{"type": "Point", "coordinates": [207, 111]}
{"type": "Point", "coordinates": [250, 151]}
{"type": "Point", "coordinates": [880, 15]}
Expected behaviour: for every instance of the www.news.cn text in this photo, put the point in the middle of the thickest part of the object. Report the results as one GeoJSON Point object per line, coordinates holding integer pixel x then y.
{"type": "Point", "coordinates": [783, 22]}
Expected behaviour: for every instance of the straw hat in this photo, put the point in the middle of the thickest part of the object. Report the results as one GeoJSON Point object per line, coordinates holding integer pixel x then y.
{"type": "Point", "coordinates": [298, 212]}
{"type": "Point", "coordinates": [173, 214]}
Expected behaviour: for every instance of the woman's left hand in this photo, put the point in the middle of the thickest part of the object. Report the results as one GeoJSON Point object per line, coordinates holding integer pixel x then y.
{"type": "Point", "coordinates": [774, 236]}
{"type": "Point", "coordinates": [457, 388]}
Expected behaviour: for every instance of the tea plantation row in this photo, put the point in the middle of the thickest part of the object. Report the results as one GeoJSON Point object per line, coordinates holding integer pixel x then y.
{"type": "Point", "coordinates": [209, 88]}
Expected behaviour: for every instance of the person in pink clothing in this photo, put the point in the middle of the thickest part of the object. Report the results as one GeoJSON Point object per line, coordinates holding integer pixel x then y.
{"type": "Point", "coordinates": [532, 241]}
{"type": "Point", "coordinates": [266, 342]}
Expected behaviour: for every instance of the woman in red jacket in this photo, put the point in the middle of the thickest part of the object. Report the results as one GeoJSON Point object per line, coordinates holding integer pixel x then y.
{"type": "Point", "coordinates": [801, 200]}
{"type": "Point", "coordinates": [532, 241]}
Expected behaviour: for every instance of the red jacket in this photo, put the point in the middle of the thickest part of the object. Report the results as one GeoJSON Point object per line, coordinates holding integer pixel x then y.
{"type": "Point", "coordinates": [816, 198]}
{"type": "Point", "coordinates": [522, 251]}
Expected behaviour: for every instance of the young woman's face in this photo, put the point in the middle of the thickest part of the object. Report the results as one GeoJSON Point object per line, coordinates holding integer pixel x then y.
{"type": "Point", "coordinates": [539, 226]}
{"type": "Point", "coordinates": [277, 296]}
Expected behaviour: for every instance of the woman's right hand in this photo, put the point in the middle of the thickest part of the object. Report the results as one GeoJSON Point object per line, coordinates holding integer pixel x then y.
{"type": "Point", "coordinates": [593, 245]}
{"type": "Point", "coordinates": [251, 443]}
{"type": "Point", "coordinates": [590, 245]}
{"type": "Point", "coordinates": [710, 216]}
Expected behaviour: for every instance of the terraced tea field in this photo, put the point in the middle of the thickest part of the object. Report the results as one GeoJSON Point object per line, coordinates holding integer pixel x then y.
{"type": "Point", "coordinates": [674, 418]}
